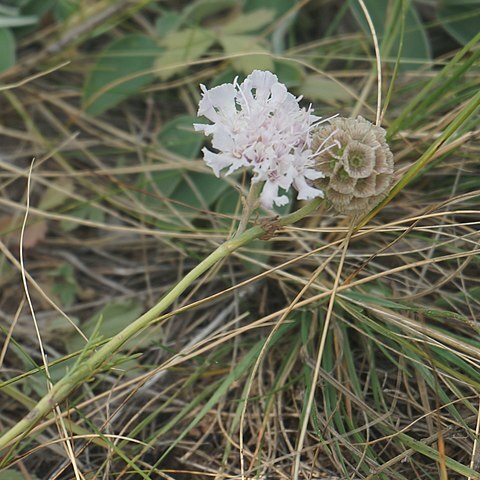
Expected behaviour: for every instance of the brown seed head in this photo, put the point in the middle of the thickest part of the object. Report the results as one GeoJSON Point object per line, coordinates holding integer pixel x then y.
{"type": "Point", "coordinates": [358, 167]}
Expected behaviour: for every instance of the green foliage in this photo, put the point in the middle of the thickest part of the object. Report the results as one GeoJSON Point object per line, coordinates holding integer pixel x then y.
{"type": "Point", "coordinates": [84, 212]}
{"type": "Point", "coordinates": [280, 7]}
{"type": "Point", "coordinates": [179, 137]}
{"type": "Point", "coordinates": [460, 18]}
{"type": "Point", "coordinates": [321, 89]}
{"type": "Point", "coordinates": [415, 43]}
{"type": "Point", "coordinates": [64, 9]}
{"type": "Point", "coordinates": [65, 285]}
{"type": "Point", "coordinates": [180, 48]}
{"type": "Point", "coordinates": [122, 70]}
{"type": "Point", "coordinates": [13, 475]}
{"type": "Point", "coordinates": [7, 53]}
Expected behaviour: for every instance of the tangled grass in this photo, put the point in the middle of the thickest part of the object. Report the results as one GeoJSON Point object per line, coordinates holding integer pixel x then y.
{"type": "Point", "coordinates": [331, 350]}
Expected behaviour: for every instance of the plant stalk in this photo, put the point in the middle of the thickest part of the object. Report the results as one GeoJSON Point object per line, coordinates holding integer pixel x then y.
{"type": "Point", "coordinates": [86, 369]}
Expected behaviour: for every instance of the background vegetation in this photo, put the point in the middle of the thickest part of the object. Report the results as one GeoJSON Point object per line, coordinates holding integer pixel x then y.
{"type": "Point", "coordinates": [103, 95]}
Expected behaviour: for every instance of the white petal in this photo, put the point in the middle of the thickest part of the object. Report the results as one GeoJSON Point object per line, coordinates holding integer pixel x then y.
{"type": "Point", "coordinates": [218, 103]}
{"type": "Point", "coordinates": [269, 196]}
{"type": "Point", "coordinates": [217, 161]}
{"type": "Point", "coordinates": [262, 82]}
{"type": "Point", "coordinates": [305, 191]}
{"type": "Point", "coordinates": [222, 139]}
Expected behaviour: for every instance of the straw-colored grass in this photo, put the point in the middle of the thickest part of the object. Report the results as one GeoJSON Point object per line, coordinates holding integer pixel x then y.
{"type": "Point", "coordinates": [333, 349]}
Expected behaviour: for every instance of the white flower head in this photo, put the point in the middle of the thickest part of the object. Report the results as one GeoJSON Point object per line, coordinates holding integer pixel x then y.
{"type": "Point", "coordinates": [260, 125]}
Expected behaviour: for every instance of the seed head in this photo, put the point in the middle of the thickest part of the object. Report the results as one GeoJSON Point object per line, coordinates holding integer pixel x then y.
{"type": "Point", "coordinates": [358, 170]}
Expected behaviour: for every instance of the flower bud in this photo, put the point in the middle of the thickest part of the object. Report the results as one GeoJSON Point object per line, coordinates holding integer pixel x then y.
{"type": "Point", "coordinates": [358, 167]}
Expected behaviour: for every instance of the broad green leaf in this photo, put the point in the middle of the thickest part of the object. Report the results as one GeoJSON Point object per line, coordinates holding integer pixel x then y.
{"type": "Point", "coordinates": [249, 22]}
{"type": "Point", "coordinates": [17, 21]}
{"type": "Point", "coordinates": [243, 46]}
{"type": "Point", "coordinates": [202, 9]}
{"type": "Point", "coordinates": [63, 9]}
{"type": "Point", "coordinates": [7, 50]}
{"type": "Point", "coordinates": [288, 72]}
{"type": "Point", "coordinates": [163, 183]}
{"type": "Point", "coordinates": [179, 137]}
{"type": "Point", "coordinates": [120, 72]}
{"type": "Point", "coordinates": [84, 212]}
{"type": "Point", "coordinates": [460, 19]}
{"type": "Point", "coordinates": [182, 47]}
{"type": "Point", "coordinates": [65, 284]}
{"type": "Point", "coordinates": [8, 10]}
{"type": "Point", "coordinates": [199, 190]}
{"type": "Point", "coordinates": [227, 204]}
{"type": "Point", "coordinates": [168, 22]}
{"type": "Point", "coordinates": [415, 42]}
{"type": "Point", "coordinates": [279, 6]}
{"type": "Point", "coordinates": [12, 475]}
{"type": "Point", "coordinates": [318, 88]}
{"type": "Point", "coordinates": [33, 8]}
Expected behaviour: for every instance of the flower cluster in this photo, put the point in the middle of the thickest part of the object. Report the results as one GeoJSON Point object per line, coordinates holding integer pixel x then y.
{"type": "Point", "coordinates": [358, 170]}
{"type": "Point", "coordinates": [260, 125]}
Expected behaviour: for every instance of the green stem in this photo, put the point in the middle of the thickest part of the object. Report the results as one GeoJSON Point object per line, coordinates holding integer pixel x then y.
{"type": "Point", "coordinates": [250, 205]}
{"type": "Point", "coordinates": [87, 368]}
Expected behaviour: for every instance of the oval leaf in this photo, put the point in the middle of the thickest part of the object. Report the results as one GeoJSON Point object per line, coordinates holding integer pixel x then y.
{"type": "Point", "coordinates": [119, 73]}
{"type": "Point", "coordinates": [179, 137]}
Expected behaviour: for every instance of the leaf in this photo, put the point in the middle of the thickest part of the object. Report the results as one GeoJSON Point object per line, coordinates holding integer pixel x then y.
{"type": "Point", "coordinates": [11, 229]}
{"type": "Point", "coordinates": [415, 41]}
{"type": "Point", "coordinates": [63, 9]}
{"type": "Point", "coordinates": [179, 137]}
{"type": "Point", "coordinates": [279, 6]}
{"type": "Point", "coordinates": [65, 285]}
{"type": "Point", "coordinates": [8, 10]}
{"type": "Point", "coordinates": [122, 70]}
{"type": "Point", "coordinates": [33, 8]}
{"type": "Point", "coordinates": [245, 45]}
{"type": "Point", "coordinates": [167, 23]}
{"type": "Point", "coordinates": [84, 212]}
{"type": "Point", "coordinates": [288, 72]}
{"type": "Point", "coordinates": [199, 190]}
{"type": "Point", "coordinates": [249, 22]}
{"type": "Point", "coordinates": [181, 48]}
{"type": "Point", "coordinates": [160, 182]}
{"type": "Point", "coordinates": [318, 88]}
{"type": "Point", "coordinates": [56, 194]}
{"type": "Point", "coordinates": [7, 52]}
{"type": "Point", "coordinates": [11, 475]}
{"type": "Point", "coordinates": [203, 9]}
{"type": "Point", "coordinates": [461, 19]}
{"type": "Point", "coordinates": [17, 21]}
{"type": "Point", "coordinates": [378, 299]}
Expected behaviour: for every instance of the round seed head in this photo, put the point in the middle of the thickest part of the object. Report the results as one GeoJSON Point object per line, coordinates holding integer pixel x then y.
{"type": "Point", "coordinates": [358, 168]}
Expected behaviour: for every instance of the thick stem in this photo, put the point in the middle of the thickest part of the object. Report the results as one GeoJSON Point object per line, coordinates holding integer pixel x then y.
{"type": "Point", "coordinates": [87, 368]}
